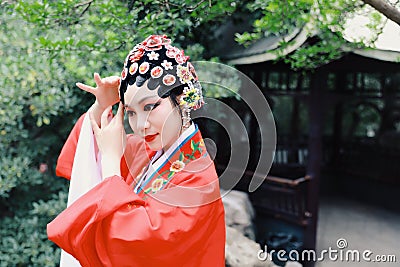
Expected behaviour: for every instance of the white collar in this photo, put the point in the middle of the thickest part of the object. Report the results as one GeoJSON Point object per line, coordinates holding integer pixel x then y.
{"type": "Point", "coordinates": [159, 158]}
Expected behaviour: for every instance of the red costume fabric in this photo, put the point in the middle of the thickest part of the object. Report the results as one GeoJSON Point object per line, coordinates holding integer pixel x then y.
{"type": "Point", "coordinates": [176, 218]}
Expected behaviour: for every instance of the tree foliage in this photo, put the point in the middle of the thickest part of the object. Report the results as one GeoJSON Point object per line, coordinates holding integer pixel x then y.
{"type": "Point", "coordinates": [326, 20]}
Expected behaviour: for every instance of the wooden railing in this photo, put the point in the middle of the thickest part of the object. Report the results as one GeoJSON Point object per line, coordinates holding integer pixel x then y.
{"type": "Point", "coordinates": [280, 197]}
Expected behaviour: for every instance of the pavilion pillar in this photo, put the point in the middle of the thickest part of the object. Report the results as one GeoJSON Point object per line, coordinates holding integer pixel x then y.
{"type": "Point", "coordinates": [315, 108]}
{"type": "Point", "coordinates": [338, 118]}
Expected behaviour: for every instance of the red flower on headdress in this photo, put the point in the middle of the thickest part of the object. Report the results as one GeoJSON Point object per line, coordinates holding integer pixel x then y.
{"type": "Point", "coordinates": [137, 46]}
{"type": "Point", "coordinates": [155, 42]}
{"type": "Point", "coordinates": [172, 51]}
{"type": "Point", "coordinates": [136, 55]}
{"type": "Point", "coordinates": [181, 58]}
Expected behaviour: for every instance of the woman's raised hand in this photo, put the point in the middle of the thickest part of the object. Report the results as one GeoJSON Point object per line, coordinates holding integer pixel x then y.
{"type": "Point", "coordinates": [111, 140]}
{"type": "Point", "coordinates": [106, 91]}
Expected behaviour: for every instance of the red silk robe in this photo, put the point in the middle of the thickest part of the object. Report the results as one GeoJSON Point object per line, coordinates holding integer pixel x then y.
{"type": "Point", "coordinates": [175, 219]}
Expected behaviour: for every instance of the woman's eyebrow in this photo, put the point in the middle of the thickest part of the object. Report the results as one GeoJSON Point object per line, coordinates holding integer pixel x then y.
{"type": "Point", "coordinates": [145, 98]}
{"type": "Point", "coordinates": [140, 101]}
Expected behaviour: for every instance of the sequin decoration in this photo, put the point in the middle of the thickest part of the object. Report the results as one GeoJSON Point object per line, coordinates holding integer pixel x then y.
{"type": "Point", "coordinates": [169, 79]}
{"type": "Point", "coordinates": [123, 74]}
{"type": "Point", "coordinates": [156, 72]}
{"type": "Point", "coordinates": [133, 68]}
{"type": "Point", "coordinates": [144, 67]}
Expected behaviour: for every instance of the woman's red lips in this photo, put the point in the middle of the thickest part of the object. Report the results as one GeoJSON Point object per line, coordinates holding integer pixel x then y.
{"type": "Point", "coordinates": [150, 138]}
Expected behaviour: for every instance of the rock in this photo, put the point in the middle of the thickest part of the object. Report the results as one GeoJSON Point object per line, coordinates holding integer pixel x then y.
{"type": "Point", "coordinates": [293, 264]}
{"type": "Point", "coordinates": [241, 251]}
{"type": "Point", "coordinates": [239, 212]}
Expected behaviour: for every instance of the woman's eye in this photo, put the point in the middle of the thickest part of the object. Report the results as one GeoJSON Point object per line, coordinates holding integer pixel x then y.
{"type": "Point", "coordinates": [130, 113]}
{"type": "Point", "coordinates": [149, 107]}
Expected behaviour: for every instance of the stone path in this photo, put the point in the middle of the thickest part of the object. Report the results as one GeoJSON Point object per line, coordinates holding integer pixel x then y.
{"type": "Point", "coordinates": [363, 226]}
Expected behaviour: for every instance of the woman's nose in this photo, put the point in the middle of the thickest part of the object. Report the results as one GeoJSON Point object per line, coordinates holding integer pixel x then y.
{"type": "Point", "coordinates": [143, 124]}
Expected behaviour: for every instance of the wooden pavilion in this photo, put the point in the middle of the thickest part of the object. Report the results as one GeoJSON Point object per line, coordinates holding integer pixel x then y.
{"type": "Point", "coordinates": [343, 117]}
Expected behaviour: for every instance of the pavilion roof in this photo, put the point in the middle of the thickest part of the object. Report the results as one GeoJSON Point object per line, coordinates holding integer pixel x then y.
{"type": "Point", "coordinates": [265, 49]}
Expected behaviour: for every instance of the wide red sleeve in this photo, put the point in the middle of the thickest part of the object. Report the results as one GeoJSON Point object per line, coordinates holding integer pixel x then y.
{"type": "Point", "coordinates": [111, 226]}
{"type": "Point", "coordinates": [66, 158]}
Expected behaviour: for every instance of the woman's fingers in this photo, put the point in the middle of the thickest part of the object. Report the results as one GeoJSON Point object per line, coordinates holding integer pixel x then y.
{"type": "Point", "coordinates": [91, 89]}
{"type": "Point", "coordinates": [97, 79]}
{"type": "Point", "coordinates": [118, 119]}
{"type": "Point", "coordinates": [111, 80]}
{"type": "Point", "coordinates": [110, 137]}
{"type": "Point", "coordinates": [120, 114]}
{"type": "Point", "coordinates": [86, 88]}
{"type": "Point", "coordinates": [120, 123]}
{"type": "Point", "coordinates": [104, 117]}
{"type": "Point", "coordinates": [93, 122]}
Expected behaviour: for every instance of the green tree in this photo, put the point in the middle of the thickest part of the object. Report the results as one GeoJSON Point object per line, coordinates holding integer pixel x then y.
{"type": "Point", "coordinates": [324, 20]}
{"type": "Point", "coordinates": [32, 93]}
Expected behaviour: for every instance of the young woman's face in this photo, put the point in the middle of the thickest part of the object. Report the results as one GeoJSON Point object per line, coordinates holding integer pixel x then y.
{"type": "Point", "coordinates": [153, 118]}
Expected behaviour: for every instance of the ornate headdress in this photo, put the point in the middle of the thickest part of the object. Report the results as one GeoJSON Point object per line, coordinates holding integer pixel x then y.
{"type": "Point", "coordinates": [166, 67]}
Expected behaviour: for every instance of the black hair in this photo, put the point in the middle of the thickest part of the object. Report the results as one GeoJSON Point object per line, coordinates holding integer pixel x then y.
{"type": "Point", "coordinates": [173, 95]}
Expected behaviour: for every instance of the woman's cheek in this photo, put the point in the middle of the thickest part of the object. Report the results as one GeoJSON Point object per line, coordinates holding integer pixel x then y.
{"type": "Point", "coordinates": [132, 124]}
{"type": "Point", "coordinates": [171, 129]}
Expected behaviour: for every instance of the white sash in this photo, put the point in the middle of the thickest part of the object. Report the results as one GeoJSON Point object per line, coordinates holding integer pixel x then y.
{"type": "Point", "coordinates": [86, 174]}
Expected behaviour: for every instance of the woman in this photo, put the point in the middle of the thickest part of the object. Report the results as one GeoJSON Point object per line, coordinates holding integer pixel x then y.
{"type": "Point", "coordinates": [156, 200]}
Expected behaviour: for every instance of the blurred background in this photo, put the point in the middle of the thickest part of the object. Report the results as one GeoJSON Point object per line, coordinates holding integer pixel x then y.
{"type": "Point", "coordinates": [329, 70]}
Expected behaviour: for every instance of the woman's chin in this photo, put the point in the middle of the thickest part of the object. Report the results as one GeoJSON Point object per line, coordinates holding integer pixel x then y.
{"type": "Point", "coordinates": [157, 144]}
{"type": "Point", "coordinates": [154, 146]}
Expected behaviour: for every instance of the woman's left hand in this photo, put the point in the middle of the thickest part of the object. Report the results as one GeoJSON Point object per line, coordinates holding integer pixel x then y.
{"type": "Point", "coordinates": [111, 140]}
